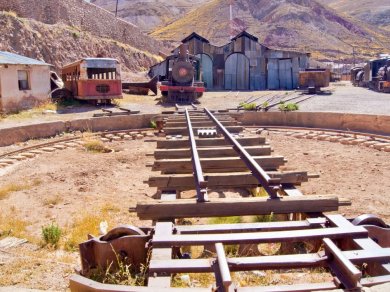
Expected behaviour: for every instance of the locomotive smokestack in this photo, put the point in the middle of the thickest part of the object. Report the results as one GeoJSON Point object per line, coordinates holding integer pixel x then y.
{"type": "Point", "coordinates": [183, 51]}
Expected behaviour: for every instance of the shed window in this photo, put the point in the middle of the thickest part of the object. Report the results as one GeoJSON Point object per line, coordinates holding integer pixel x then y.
{"type": "Point", "coordinates": [23, 80]}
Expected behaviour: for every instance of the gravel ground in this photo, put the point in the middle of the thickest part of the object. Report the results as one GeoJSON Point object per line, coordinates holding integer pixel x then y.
{"type": "Point", "coordinates": [339, 97]}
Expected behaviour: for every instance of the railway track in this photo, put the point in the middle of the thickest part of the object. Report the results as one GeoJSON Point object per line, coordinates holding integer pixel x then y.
{"type": "Point", "coordinates": [10, 158]}
{"type": "Point", "coordinates": [207, 152]}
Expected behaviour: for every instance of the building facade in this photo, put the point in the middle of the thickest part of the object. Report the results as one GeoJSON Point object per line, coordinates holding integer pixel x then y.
{"type": "Point", "coordinates": [24, 82]}
{"type": "Point", "coordinates": [243, 64]}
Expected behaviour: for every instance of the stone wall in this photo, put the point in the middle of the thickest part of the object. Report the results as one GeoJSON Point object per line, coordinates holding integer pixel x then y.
{"type": "Point", "coordinates": [83, 15]}
{"type": "Point", "coordinates": [374, 124]}
{"type": "Point", "coordinates": [14, 135]}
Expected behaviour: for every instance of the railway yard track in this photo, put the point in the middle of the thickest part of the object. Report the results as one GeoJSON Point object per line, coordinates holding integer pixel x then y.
{"type": "Point", "coordinates": [206, 151]}
{"type": "Point", "coordinates": [56, 144]}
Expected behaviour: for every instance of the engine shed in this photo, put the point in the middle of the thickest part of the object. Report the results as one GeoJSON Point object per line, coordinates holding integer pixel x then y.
{"type": "Point", "coordinates": [242, 64]}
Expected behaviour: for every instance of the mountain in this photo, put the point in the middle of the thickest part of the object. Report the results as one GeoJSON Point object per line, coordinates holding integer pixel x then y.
{"type": "Point", "coordinates": [371, 11]}
{"type": "Point", "coordinates": [303, 25]}
{"type": "Point", "coordinates": [149, 14]}
{"type": "Point", "coordinates": [60, 32]}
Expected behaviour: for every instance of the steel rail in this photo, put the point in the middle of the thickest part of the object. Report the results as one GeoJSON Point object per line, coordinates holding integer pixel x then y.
{"type": "Point", "coordinates": [64, 140]}
{"type": "Point", "coordinates": [287, 100]}
{"type": "Point", "coordinates": [292, 128]}
{"type": "Point", "coordinates": [270, 185]}
{"type": "Point", "coordinates": [200, 183]}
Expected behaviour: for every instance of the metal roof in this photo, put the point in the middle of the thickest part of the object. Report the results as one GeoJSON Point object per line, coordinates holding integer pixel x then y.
{"type": "Point", "coordinates": [8, 58]}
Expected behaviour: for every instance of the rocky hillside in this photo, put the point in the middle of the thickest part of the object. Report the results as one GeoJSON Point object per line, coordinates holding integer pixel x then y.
{"type": "Point", "coordinates": [60, 32]}
{"type": "Point", "coordinates": [303, 25]}
{"type": "Point", "coordinates": [374, 12]}
{"type": "Point", "coordinates": [149, 14]}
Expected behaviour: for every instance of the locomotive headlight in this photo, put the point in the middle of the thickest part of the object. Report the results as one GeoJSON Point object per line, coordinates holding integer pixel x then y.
{"type": "Point", "coordinates": [183, 72]}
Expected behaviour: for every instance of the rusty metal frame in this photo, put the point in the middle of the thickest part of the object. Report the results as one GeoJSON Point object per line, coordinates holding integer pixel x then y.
{"type": "Point", "coordinates": [347, 265]}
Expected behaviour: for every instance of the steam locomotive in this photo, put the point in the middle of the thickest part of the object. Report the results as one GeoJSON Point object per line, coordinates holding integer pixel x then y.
{"type": "Point", "coordinates": [374, 75]}
{"type": "Point", "coordinates": [180, 82]}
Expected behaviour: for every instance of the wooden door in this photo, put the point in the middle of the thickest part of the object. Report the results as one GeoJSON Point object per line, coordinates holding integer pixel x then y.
{"type": "Point", "coordinates": [273, 74]}
{"type": "Point", "coordinates": [207, 70]}
{"type": "Point", "coordinates": [285, 74]}
{"type": "Point", "coordinates": [237, 72]}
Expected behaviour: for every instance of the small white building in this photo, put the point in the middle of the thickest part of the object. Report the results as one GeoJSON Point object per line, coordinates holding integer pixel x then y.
{"type": "Point", "coordinates": [24, 82]}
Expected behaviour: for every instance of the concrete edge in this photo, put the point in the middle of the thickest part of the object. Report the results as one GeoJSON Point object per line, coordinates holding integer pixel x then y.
{"type": "Point", "coordinates": [9, 136]}
{"type": "Point", "coordinates": [371, 124]}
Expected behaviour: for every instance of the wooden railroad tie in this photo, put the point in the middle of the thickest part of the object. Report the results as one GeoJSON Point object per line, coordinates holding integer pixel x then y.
{"type": "Point", "coordinates": [209, 142]}
{"type": "Point", "coordinates": [225, 180]}
{"type": "Point", "coordinates": [188, 208]}
{"type": "Point", "coordinates": [229, 164]}
{"type": "Point", "coordinates": [184, 130]}
{"type": "Point", "coordinates": [209, 152]}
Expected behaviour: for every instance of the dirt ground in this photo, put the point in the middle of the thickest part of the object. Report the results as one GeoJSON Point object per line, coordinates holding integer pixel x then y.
{"type": "Point", "coordinates": [78, 189]}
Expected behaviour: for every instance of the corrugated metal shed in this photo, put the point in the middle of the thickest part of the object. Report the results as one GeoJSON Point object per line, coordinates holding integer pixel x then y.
{"type": "Point", "coordinates": [7, 58]}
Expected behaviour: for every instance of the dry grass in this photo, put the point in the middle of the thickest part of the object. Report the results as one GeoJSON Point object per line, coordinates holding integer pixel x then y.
{"type": "Point", "coordinates": [12, 226]}
{"type": "Point", "coordinates": [95, 146]}
{"type": "Point", "coordinates": [37, 110]}
{"type": "Point", "coordinates": [53, 200]}
{"type": "Point", "coordinates": [6, 190]}
{"type": "Point", "coordinates": [88, 224]}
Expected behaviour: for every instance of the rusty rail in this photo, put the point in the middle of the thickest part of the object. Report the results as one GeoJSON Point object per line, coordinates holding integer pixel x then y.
{"type": "Point", "coordinates": [270, 185]}
{"type": "Point", "coordinates": [200, 183]}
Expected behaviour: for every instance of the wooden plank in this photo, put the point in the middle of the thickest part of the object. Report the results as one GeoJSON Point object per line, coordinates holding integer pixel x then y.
{"type": "Point", "coordinates": [228, 164]}
{"type": "Point", "coordinates": [208, 123]}
{"type": "Point", "coordinates": [187, 208]}
{"type": "Point", "coordinates": [200, 117]}
{"type": "Point", "coordinates": [258, 237]}
{"type": "Point", "coordinates": [361, 256]}
{"type": "Point", "coordinates": [226, 151]}
{"type": "Point", "coordinates": [209, 142]}
{"type": "Point", "coordinates": [342, 267]}
{"type": "Point", "coordinates": [250, 227]}
{"type": "Point", "coordinates": [290, 288]}
{"type": "Point", "coordinates": [155, 280]}
{"type": "Point", "coordinates": [79, 283]}
{"type": "Point", "coordinates": [184, 130]}
{"type": "Point", "coordinates": [222, 180]}
{"type": "Point", "coordinates": [372, 281]}
{"type": "Point", "coordinates": [339, 221]}
{"type": "Point", "coordinates": [240, 263]}
{"type": "Point", "coordinates": [291, 191]}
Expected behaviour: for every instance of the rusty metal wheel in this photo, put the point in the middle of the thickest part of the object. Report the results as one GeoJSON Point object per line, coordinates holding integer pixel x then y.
{"type": "Point", "coordinates": [120, 231]}
{"type": "Point", "coordinates": [369, 219]}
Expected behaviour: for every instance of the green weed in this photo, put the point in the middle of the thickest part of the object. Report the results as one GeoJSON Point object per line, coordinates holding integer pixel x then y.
{"type": "Point", "coordinates": [288, 107]}
{"type": "Point", "coordinates": [51, 234]}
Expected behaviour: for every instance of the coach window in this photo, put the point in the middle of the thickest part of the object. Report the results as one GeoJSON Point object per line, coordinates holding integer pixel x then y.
{"type": "Point", "coordinates": [23, 80]}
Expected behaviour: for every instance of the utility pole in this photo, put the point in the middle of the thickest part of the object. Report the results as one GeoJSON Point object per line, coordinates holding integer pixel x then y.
{"type": "Point", "coordinates": [231, 20]}
{"type": "Point", "coordinates": [116, 9]}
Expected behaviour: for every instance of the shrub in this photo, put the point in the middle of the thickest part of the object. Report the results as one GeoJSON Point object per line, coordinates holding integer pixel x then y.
{"type": "Point", "coordinates": [153, 124]}
{"type": "Point", "coordinates": [248, 106]}
{"type": "Point", "coordinates": [51, 234]}
{"type": "Point", "coordinates": [96, 146]}
{"type": "Point", "coordinates": [288, 107]}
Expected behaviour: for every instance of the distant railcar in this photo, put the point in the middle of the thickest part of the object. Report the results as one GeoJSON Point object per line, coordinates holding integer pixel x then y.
{"type": "Point", "coordinates": [314, 79]}
{"type": "Point", "coordinates": [374, 75]}
{"type": "Point", "coordinates": [97, 80]}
